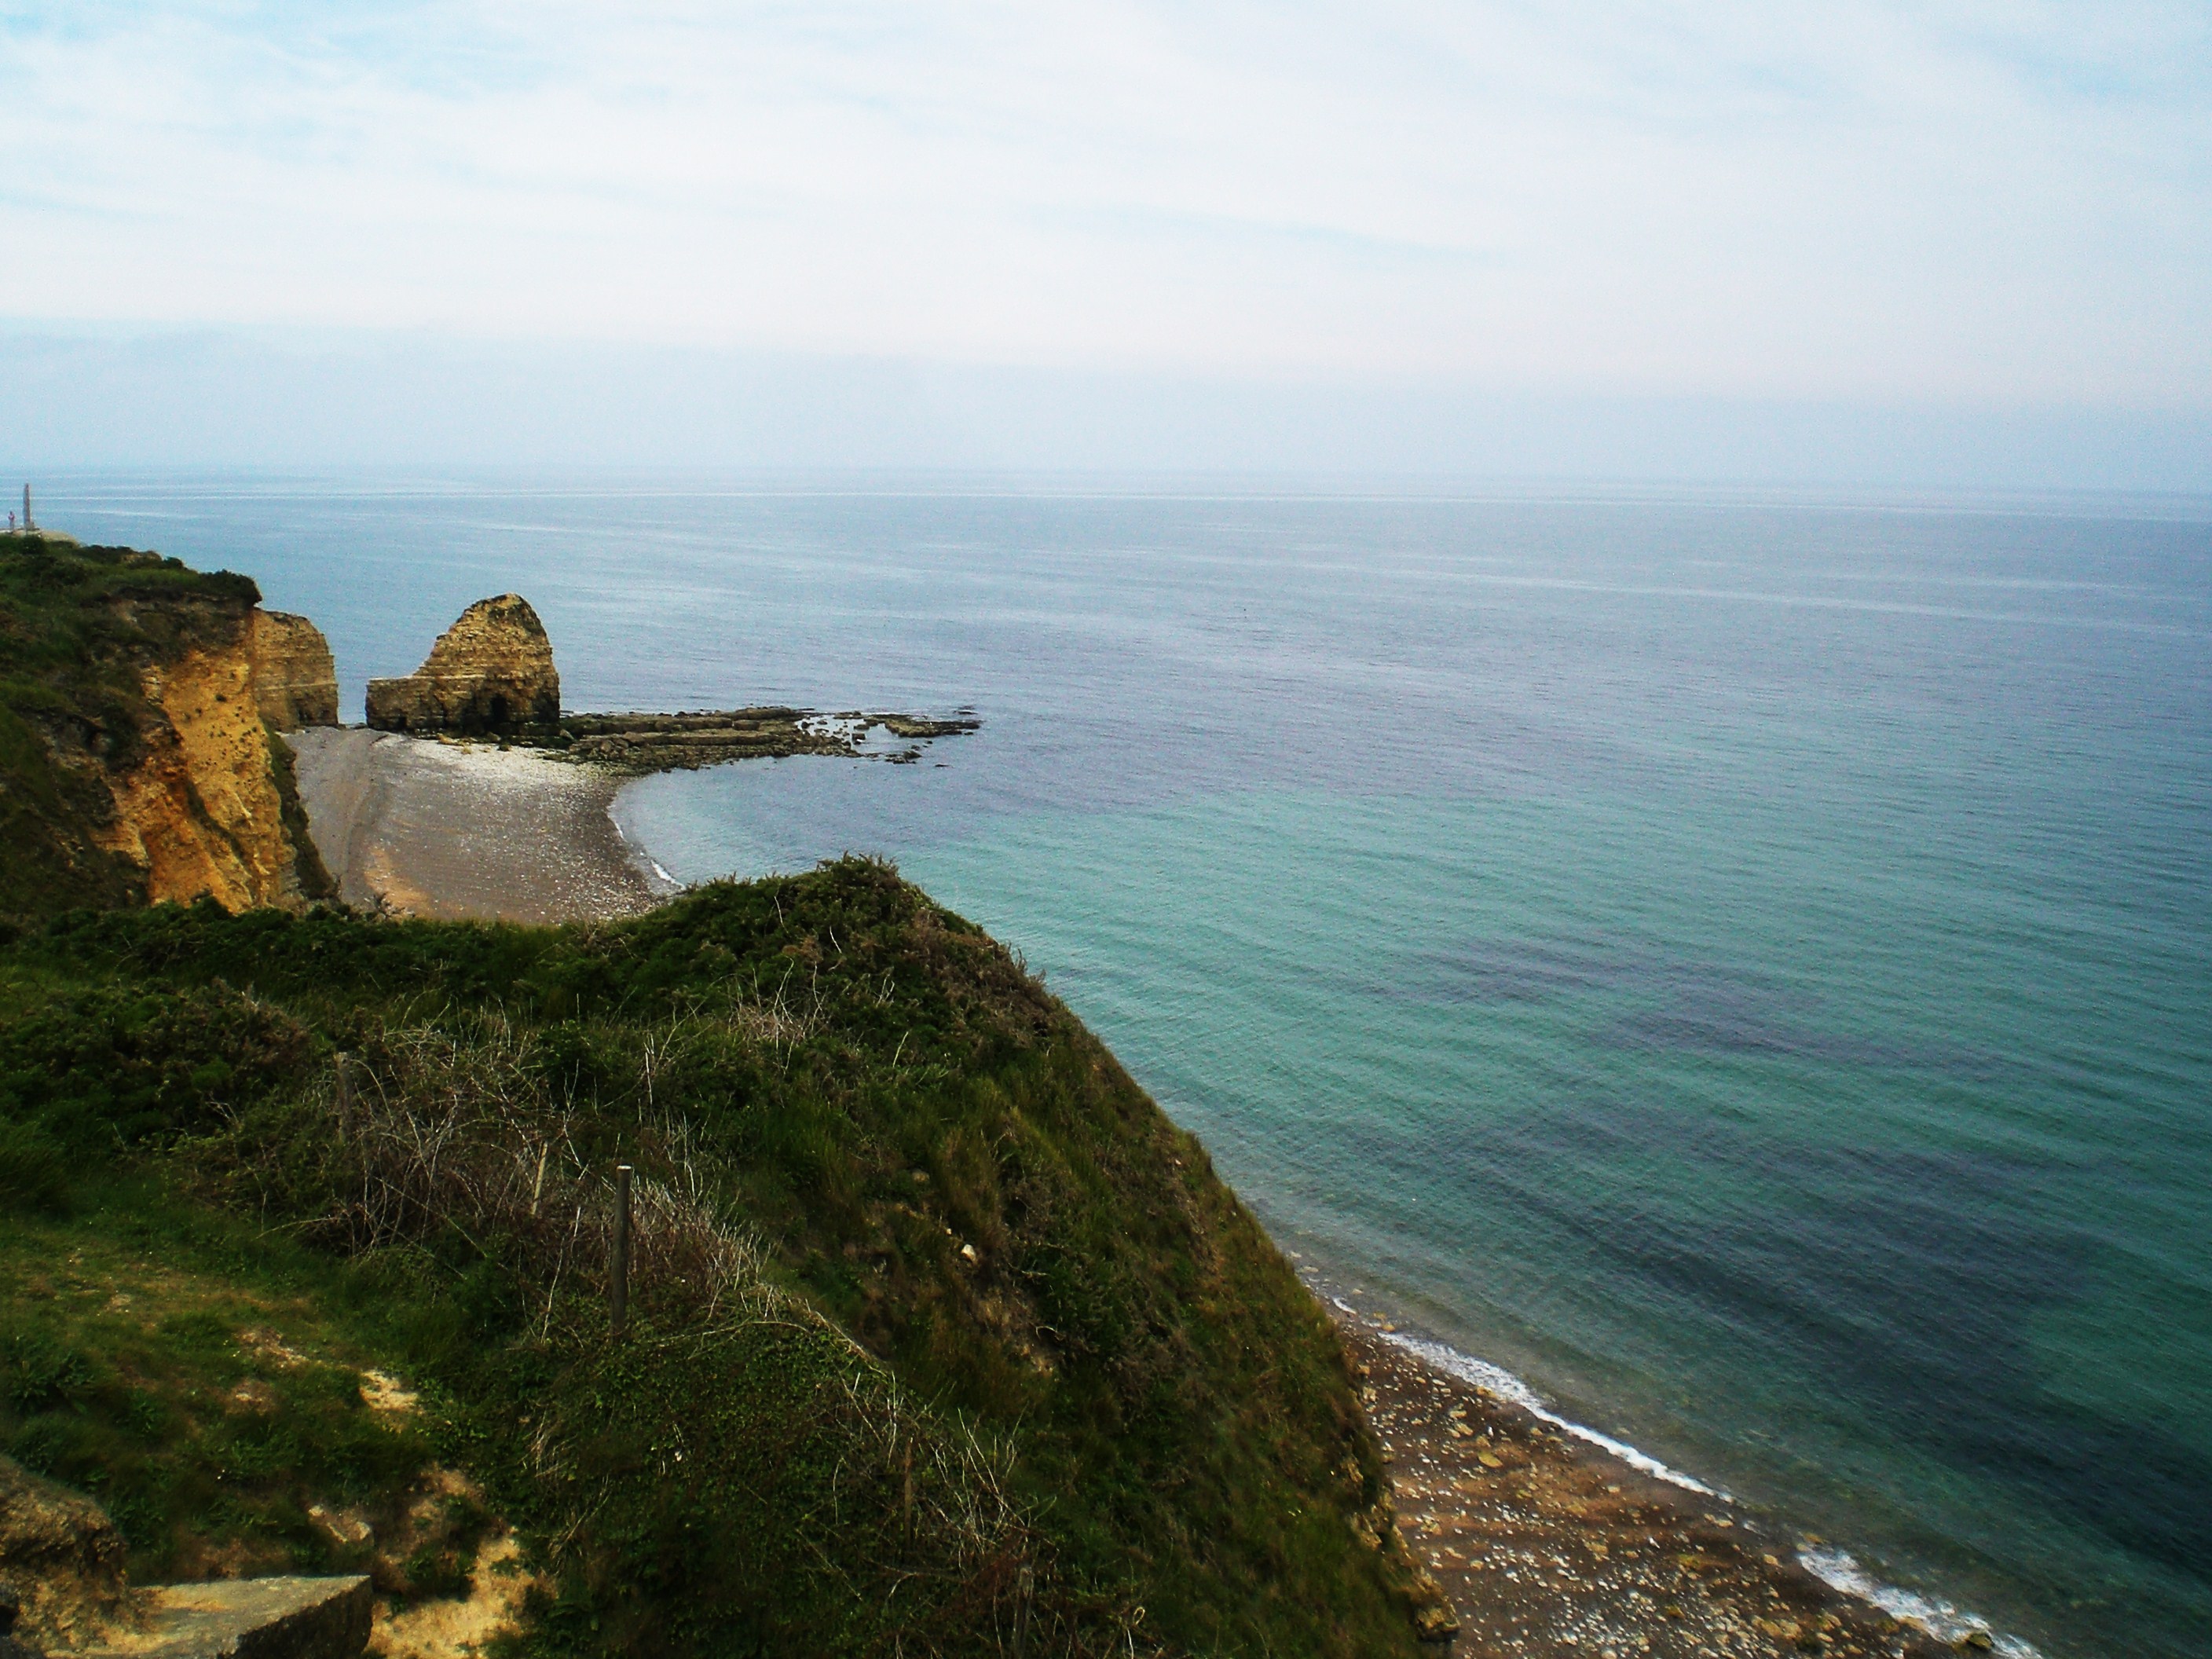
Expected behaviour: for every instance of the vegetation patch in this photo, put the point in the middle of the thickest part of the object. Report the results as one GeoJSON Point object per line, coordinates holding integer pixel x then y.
{"type": "Point", "coordinates": [940, 1330]}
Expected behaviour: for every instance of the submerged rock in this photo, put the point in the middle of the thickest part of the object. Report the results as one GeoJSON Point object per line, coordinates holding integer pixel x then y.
{"type": "Point", "coordinates": [491, 672]}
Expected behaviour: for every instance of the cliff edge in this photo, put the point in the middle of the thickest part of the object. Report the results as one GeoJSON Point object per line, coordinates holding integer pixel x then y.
{"type": "Point", "coordinates": [295, 680]}
{"type": "Point", "coordinates": [138, 701]}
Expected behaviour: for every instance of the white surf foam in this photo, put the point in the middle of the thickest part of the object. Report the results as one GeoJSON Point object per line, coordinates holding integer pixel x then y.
{"type": "Point", "coordinates": [636, 850]}
{"type": "Point", "coordinates": [1835, 1568]}
{"type": "Point", "coordinates": [1838, 1570]}
{"type": "Point", "coordinates": [1503, 1383]}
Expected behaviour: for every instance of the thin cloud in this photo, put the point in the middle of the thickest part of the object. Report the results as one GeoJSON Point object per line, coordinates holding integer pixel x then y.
{"type": "Point", "coordinates": [1949, 200]}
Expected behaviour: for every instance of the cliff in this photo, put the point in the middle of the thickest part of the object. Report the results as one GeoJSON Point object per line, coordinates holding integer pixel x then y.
{"type": "Point", "coordinates": [296, 681]}
{"type": "Point", "coordinates": [136, 749]}
{"type": "Point", "coordinates": [491, 672]}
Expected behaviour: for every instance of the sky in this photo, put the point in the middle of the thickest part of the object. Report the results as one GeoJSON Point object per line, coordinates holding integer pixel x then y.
{"type": "Point", "coordinates": [1201, 233]}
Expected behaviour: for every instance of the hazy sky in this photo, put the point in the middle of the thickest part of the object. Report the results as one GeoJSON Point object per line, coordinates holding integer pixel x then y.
{"type": "Point", "coordinates": [1995, 204]}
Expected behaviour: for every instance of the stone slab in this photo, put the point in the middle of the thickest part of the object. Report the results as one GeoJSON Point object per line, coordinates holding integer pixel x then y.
{"type": "Point", "coordinates": [247, 1619]}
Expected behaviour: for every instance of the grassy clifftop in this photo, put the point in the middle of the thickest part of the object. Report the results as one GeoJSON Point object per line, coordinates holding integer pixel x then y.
{"type": "Point", "coordinates": [937, 1318]}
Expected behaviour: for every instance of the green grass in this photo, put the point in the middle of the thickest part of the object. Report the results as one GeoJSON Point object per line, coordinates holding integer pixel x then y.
{"type": "Point", "coordinates": [932, 1302]}
{"type": "Point", "coordinates": [205, 1389]}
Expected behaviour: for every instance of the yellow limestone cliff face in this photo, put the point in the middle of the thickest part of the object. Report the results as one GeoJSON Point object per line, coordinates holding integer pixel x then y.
{"type": "Point", "coordinates": [296, 681]}
{"type": "Point", "coordinates": [491, 672]}
{"type": "Point", "coordinates": [204, 811]}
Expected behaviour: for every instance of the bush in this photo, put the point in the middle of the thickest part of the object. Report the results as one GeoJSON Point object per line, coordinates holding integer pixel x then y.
{"type": "Point", "coordinates": [34, 1172]}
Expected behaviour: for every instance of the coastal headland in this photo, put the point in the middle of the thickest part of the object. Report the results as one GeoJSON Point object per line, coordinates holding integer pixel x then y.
{"type": "Point", "coordinates": [919, 1329]}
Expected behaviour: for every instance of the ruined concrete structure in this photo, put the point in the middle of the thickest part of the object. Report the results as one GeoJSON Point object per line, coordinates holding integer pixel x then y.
{"type": "Point", "coordinates": [490, 673]}
{"type": "Point", "coordinates": [295, 682]}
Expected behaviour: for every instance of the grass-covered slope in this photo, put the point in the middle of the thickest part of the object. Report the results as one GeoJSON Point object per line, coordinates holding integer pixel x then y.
{"type": "Point", "coordinates": [937, 1318]}
{"type": "Point", "coordinates": [79, 628]}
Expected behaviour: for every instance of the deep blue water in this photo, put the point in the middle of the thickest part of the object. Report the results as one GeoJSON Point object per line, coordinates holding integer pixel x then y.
{"type": "Point", "coordinates": [1744, 966]}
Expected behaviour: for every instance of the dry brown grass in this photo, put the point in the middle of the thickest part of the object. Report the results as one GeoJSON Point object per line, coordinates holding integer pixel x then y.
{"type": "Point", "coordinates": [457, 1129]}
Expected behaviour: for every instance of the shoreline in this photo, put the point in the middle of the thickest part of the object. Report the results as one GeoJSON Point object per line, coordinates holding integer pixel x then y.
{"type": "Point", "coordinates": [1551, 1537]}
{"type": "Point", "coordinates": [461, 830]}
{"type": "Point", "coordinates": [1547, 1535]}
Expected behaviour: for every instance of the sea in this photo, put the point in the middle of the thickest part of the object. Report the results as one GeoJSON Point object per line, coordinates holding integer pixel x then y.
{"type": "Point", "coordinates": [1739, 965]}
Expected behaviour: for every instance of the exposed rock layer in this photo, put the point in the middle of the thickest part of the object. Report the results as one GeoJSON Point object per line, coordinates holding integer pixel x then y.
{"type": "Point", "coordinates": [664, 743]}
{"type": "Point", "coordinates": [204, 812]}
{"type": "Point", "coordinates": [61, 1554]}
{"type": "Point", "coordinates": [137, 761]}
{"type": "Point", "coordinates": [490, 673]}
{"type": "Point", "coordinates": [296, 681]}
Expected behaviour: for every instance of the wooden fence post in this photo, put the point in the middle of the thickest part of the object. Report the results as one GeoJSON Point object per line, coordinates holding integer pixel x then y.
{"type": "Point", "coordinates": [619, 1269]}
{"type": "Point", "coordinates": [906, 1499]}
{"type": "Point", "coordinates": [345, 1092]}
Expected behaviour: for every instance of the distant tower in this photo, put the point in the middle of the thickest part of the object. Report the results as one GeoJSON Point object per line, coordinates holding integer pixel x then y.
{"type": "Point", "coordinates": [27, 525]}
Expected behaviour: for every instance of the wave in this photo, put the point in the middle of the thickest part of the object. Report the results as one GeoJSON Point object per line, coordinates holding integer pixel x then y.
{"type": "Point", "coordinates": [1503, 1383]}
{"type": "Point", "coordinates": [1838, 1570]}
{"type": "Point", "coordinates": [638, 854]}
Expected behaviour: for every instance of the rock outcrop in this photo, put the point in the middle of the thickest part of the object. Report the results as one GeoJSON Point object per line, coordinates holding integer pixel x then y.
{"type": "Point", "coordinates": [138, 761]}
{"type": "Point", "coordinates": [490, 673]}
{"type": "Point", "coordinates": [296, 681]}
{"type": "Point", "coordinates": [667, 742]}
{"type": "Point", "coordinates": [61, 1555]}
{"type": "Point", "coordinates": [206, 811]}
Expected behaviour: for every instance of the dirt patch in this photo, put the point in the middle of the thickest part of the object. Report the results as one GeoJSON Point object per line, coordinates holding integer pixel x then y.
{"type": "Point", "coordinates": [453, 1625]}
{"type": "Point", "coordinates": [380, 1391]}
{"type": "Point", "coordinates": [271, 1349]}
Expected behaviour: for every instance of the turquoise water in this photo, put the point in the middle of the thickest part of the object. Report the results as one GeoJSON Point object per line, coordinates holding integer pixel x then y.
{"type": "Point", "coordinates": [1744, 966]}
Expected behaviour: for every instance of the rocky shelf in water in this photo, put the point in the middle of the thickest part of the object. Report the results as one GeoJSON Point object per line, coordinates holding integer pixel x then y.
{"type": "Point", "coordinates": [668, 743]}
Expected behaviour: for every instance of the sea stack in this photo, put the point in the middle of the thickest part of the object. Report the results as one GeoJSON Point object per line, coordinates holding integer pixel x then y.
{"type": "Point", "coordinates": [491, 672]}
